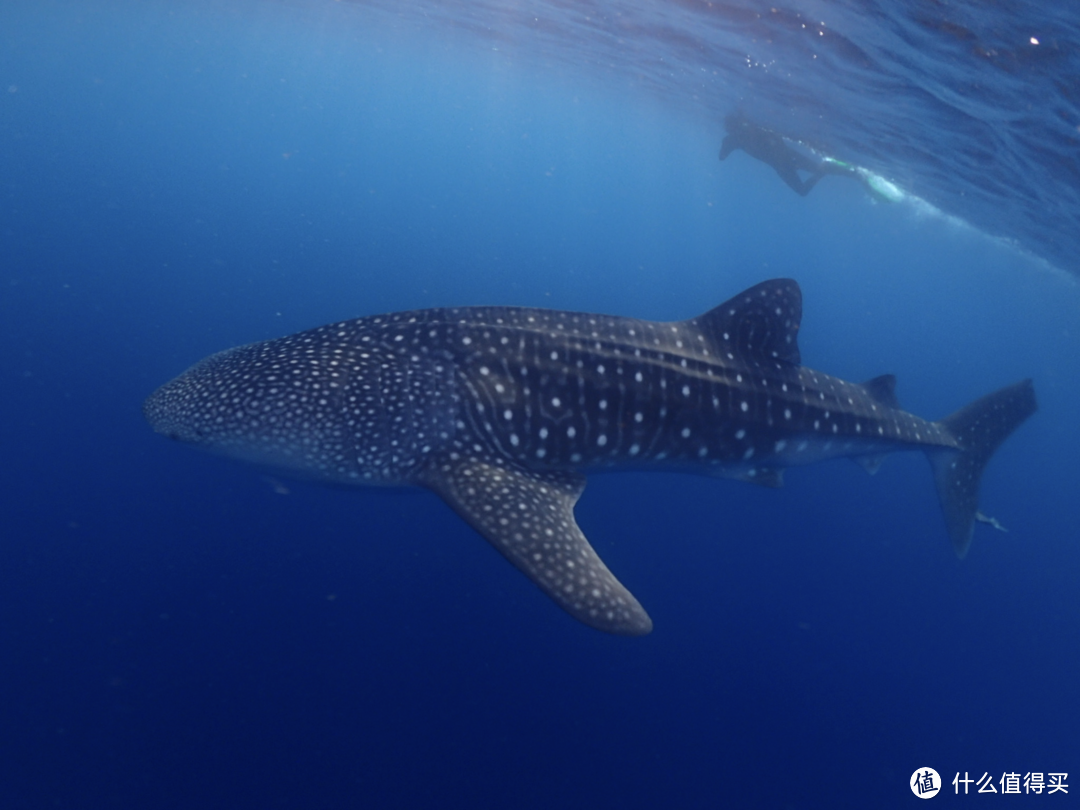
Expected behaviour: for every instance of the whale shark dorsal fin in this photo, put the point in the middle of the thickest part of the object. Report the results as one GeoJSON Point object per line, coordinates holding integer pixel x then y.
{"type": "Point", "coordinates": [529, 517]}
{"type": "Point", "coordinates": [883, 390]}
{"type": "Point", "coordinates": [759, 325]}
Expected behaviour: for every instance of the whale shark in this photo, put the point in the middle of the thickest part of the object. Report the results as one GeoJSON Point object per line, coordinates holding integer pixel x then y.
{"type": "Point", "coordinates": [502, 411]}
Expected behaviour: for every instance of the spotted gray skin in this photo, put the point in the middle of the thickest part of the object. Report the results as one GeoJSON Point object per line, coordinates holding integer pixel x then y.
{"type": "Point", "coordinates": [502, 410]}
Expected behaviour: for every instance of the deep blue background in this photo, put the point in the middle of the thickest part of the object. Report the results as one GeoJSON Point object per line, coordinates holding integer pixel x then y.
{"type": "Point", "coordinates": [179, 631]}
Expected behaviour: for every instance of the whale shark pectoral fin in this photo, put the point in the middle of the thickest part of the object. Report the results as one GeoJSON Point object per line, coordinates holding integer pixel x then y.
{"type": "Point", "coordinates": [529, 517]}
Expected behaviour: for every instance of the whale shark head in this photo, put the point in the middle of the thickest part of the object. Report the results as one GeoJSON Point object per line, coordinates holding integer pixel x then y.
{"type": "Point", "coordinates": [175, 409]}
{"type": "Point", "coordinates": [323, 404]}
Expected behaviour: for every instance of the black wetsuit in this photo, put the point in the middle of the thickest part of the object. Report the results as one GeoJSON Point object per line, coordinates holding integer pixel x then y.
{"type": "Point", "coordinates": [769, 147]}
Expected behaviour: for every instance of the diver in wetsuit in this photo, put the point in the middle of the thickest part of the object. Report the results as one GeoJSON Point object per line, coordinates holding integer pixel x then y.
{"type": "Point", "coordinates": [769, 147]}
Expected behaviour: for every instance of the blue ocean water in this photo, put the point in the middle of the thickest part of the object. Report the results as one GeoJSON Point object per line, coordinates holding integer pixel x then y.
{"type": "Point", "coordinates": [180, 631]}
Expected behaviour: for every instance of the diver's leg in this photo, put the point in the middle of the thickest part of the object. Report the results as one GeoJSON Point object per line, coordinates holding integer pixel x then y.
{"type": "Point", "coordinates": [797, 184]}
{"type": "Point", "coordinates": [811, 181]}
{"type": "Point", "coordinates": [804, 163]}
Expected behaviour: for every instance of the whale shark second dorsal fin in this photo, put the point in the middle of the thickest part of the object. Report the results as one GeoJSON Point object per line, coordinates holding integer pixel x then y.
{"type": "Point", "coordinates": [883, 390]}
{"type": "Point", "coordinates": [757, 326]}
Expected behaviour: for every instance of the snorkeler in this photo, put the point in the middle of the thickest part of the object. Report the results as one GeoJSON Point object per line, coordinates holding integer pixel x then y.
{"type": "Point", "coordinates": [769, 147]}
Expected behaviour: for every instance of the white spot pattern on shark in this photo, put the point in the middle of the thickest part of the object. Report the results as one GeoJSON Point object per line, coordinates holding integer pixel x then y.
{"type": "Point", "coordinates": [501, 411]}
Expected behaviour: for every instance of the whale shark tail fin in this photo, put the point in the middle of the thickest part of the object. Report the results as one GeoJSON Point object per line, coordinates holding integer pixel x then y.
{"type": "Point", "coordinates": [979, 428]}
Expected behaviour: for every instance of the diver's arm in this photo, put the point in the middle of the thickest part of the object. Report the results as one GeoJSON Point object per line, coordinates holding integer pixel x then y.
{"type": "Point", "coordinates": [797, 184]}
